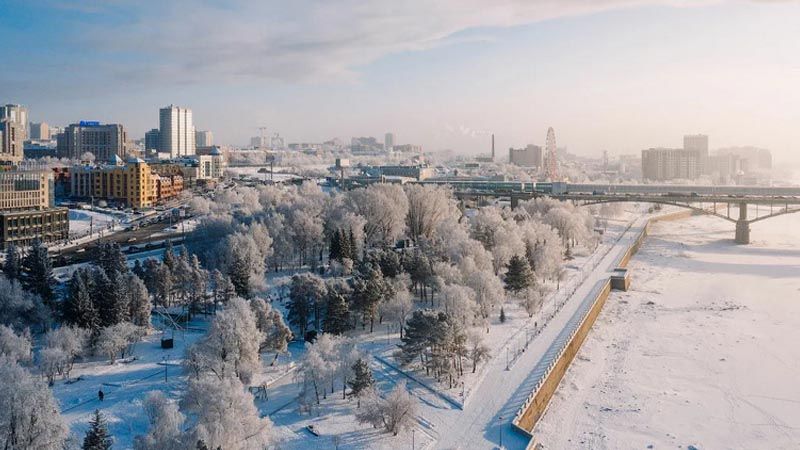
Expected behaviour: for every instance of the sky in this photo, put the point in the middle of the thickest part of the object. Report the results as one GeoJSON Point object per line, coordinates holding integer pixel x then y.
{"type": "Point", "coordinates": [615, 75]}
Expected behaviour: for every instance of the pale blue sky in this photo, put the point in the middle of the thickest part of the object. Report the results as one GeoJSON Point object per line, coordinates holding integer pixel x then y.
{"type": "Point", "coordinates": [620, 75]}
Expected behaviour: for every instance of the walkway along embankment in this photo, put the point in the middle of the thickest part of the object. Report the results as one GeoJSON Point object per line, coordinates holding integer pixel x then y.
{"type": "Point", "coordinates": [556, 360]}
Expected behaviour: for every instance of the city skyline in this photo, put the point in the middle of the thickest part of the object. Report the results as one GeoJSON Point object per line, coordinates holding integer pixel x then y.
{"type": "Point", "coordinates": [619, 75]}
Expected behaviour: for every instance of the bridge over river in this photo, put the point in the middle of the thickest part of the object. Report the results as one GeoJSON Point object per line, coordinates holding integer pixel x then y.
{"type": "Point", "coordinates": [742, 205]}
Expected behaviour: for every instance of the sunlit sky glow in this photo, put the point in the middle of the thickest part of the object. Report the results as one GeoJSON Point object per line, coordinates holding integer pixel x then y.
{"type": "Point", "coordinates": [620, 75]}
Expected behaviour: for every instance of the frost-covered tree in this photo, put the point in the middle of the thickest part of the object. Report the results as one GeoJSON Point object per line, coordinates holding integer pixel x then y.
{"type": "Point", "coordinates": [29, 414]}
{"type": "Point", "coordinates": [488, 290]}
{"type": "Point", "coordinates": [225, 415]}
{"type": "Point", "coordinates": [532, 299]}
{"type": "Point", "coordinates": [477, 350]}
{"type": "Point", "coordinates": [118, 339]}
{"type": "Point", "coordinates": [97, 436]}
{"type": "Point", "coordinates": [270, 322]}
{"type": "Point", "coordinates": [231, 347]}
{"type": "Point", "coordinates": [395, 413]}
{"type": "Point", "coordinates": [62, 346]}
{"type": "Point", "coordinates": [244, 261]}
{"type": "Point", "coordinates": [13, 346]}
{"type": "Point", "coordinates": [428, 206]}
{"type": "Point", "coordinates": [384, 207]}
{"type": "Point", "coordinates": [397, 307]}
{"type": "Point", "coordinates": [165, 425]}
{"type": "Point", "coordinates": [20, 308]}
{"type": "Point", "coordinates": [459, 303]}
{"type": "Point", "coordinates": [306, 299]}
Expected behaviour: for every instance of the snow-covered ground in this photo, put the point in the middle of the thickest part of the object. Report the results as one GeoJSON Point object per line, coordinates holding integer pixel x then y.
{"type": "Point", "coordinates": [701, 352]}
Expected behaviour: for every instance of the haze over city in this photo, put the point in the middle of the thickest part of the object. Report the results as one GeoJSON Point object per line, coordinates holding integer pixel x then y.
{"type": "Point", "coordinates": [425, 225]}
{"type": "Point", "coordinates": [613, 75]}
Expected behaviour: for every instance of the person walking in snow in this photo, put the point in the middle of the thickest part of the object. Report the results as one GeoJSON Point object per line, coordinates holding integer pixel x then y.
{"type": "Point", "coordinates": [100, 395]}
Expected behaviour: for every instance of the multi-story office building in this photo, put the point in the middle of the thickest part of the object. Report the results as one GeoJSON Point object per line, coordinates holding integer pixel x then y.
{"type": "Point", "coordinates": [698, 143]}
{"type": "Point", "coordinates": [39, 131]}
{"type": "Point", "coordinates": [365, 145]}
{"type": "Point", "coordinates": [12, 136]}
{"type": "Point", "coordinates": [17, 114]}
{"type": "Point", "coordinates": [128, 183]}
{"type": "Point", "coordinates": [407, 148]}
{"type": "Point", "coordinates": [103, 141]}
{"type": "Point", "coordinates": [663, 164]}
{"type": "Point", "coordinates": [26, 209]}
{"type": "Point", "coordinates": [388, 142]}
{"type": "Point", "coordinates": [203, 138]}
{"type": "Point", "coordinates": [177, 131]}
{"type": "Point", "coordinates": [530, 156]}
{"type": "Point", "coordinates": [152, 139]}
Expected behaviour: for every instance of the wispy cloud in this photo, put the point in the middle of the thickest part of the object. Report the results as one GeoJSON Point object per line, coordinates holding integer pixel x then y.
{"type": "Point", "coordinates": [301, 40]}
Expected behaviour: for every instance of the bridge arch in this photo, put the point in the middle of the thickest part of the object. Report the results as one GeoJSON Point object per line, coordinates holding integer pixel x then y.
{"type": "Point", "coordinates": [664, 202]}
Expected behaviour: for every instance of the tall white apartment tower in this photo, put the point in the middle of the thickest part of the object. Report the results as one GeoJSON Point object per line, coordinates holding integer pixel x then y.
{"type": "Point", "coordinates": [388, 142]}
{"type": "Point", "coordinates": [176, 131]}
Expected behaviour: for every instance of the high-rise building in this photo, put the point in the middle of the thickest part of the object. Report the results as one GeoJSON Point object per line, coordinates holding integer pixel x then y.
{"type": "Point", "coordinates": [152, 139]}
{"type": "Point", "coordinates": [663, 164]}
{"type": "Point", "coordinates": [11, 142]}
{"type": "Point", "coordinates": [203, 138]}
{"type": "Point", "coordinates": [177, 131]}
{"type": "Point", "coordinates": [388, 142]}
{"type": "Point", "coordinates": [530, 156]}
{"type": "Point", "coordinates": [550, 157]}
{"type": "Point", "coordinates": [698, 143]}
{"type": "Point", "coordinates": [39, 131]}
{"type": "Point", "coordinates": [103, 141]}
{"type": "Point", "coordinates": [17, 114]}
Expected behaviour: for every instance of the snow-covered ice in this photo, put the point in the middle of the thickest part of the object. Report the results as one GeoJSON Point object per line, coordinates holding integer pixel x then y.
{"type": "Point", "coordinates": [702, 351]}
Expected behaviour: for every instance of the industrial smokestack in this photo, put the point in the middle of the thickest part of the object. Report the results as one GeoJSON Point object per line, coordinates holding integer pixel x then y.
{"type": "Point", "coordinates": [492, 146]}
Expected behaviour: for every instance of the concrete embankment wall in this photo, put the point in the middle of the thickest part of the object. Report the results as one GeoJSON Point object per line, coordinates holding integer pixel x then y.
{"type": "Point", "coordinates": [537, 402]}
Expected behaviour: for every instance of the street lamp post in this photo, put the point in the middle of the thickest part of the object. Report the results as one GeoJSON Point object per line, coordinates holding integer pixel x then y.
{"type": "Point", "coordinates": [501, 430]}
{"type": "Point", "coordinates": [412, 439]}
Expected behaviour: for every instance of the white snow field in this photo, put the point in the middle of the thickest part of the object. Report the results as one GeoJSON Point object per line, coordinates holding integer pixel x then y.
{"type": "Point", "coordinates": [701, 352]}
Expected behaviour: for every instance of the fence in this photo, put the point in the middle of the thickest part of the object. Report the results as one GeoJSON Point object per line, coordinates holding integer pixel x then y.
{"type": "Point", "coordinates": [556, 360]}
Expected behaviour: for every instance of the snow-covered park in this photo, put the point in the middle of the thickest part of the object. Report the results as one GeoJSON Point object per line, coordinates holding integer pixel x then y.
{"type": "Point", "coordinates": [701, 352]}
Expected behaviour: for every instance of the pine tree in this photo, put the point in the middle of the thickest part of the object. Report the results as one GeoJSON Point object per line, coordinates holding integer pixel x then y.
{"type": "Point", "coordinates": [519, 275]}
{"type": "Point", "coordinates": [169, 258]}
{"type": "Point", "coordinates": [97, 436]}
{"type": "Point", "coordinates": [362, 379]}
{"type": "Point", "coordinates": [337, 313]}
{"type": "Point", "coordinates": [353, 246]}
{"type": "Point", "coordinates": [502, 315]}
{"type": "Point", "coordinates": [335, 251]}
{"type": "Point", "coordinates": [111, 259]}
{"type": "Point", "coordinates": [11, 267]}
{"type": "Point", "coordinates": [78, 307]}
{"type": "Point", "coordinates": [239, 275]}
{"type": "Point", "coordinates": [369, 290]}
{"type": "Point", "coordinates": [138, 269]}
{"type": "Point", "coordinates": [37, 272]}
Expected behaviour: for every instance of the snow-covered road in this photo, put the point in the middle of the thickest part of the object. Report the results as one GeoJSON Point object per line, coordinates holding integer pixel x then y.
{"type": "Point", "coordinates": [486, 419]}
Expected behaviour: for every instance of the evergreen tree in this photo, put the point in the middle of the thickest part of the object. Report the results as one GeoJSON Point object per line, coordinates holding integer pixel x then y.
{"type": "Point", "coordinates": [97, 436]}
{"type": "Point", "coordinates": [239, 275]}
{"type": "Point", "coordinates": [306, 295]}
{"type": "Point", "coordinates": [519, 275]}
{"type": "Point", "coordinates": [337, 313]}
{"type": "Point", "coordinates": [12, 265]}
{"type": "Point", "coordinates": [109, 297]}
{"type": "Point", "coordinates": [111, 259]}
{"type": "Point", "coordinates": [78, 307]}
{"type": "Point", "coordinates": [362, 379]}
{"type": "Point", "coordinates": [353, 246]}
{"type": "Point", "coordinates": [502, 315]}
{"type": "Point", "coordinates": [37, 272]}
{"type": "Point", "coordinates": [138, 269]}
{"type": "Point", "coordinates": [169, 258]}
{"type": "Point", "coordinates": [370, 288]}
{"type": "Point", "coordinates": [335, 250]}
